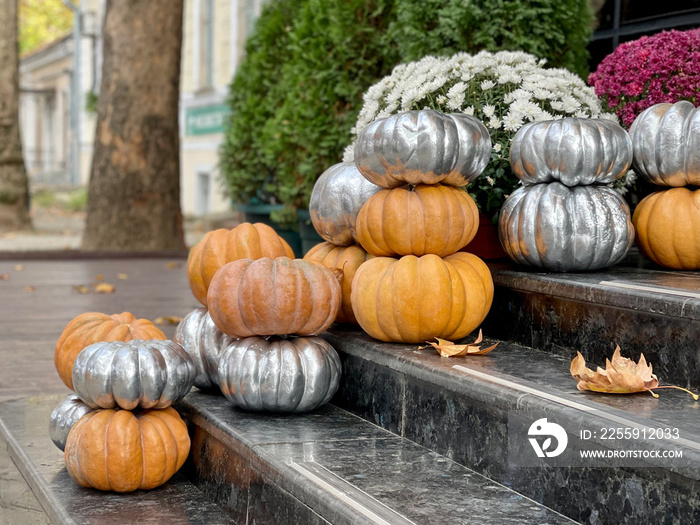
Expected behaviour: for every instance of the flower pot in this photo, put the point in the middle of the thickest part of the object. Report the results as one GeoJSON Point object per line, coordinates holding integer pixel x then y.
{"type": "Point", "coordinates": [486, 244]}
{"type": "Point", "coordinates": [307, 232]}
{"type": "Point", "coordinates": [261, 213]}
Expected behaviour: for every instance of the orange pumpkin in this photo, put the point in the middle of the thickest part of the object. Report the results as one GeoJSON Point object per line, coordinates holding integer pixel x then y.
{"type": "Point", "coordinates": [122, 451]}
{"type": "Point", "coordinates": [218, 247]}
{"type": "Point", "coordinates": [668, 228]}
{"type": "Point", "coordinates": [273, 296]}
{"type": "Point", "coordinates": [415, 299]}
{"type": "Point", "coordinates": [426, 219]}
{"type": "Point", "coordinates": [345, 258]}
{"type": "Point", "coordinates": [94, 327]}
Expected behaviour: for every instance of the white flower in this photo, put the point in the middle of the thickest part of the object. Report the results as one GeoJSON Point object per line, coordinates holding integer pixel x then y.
{"type": "Point", "coordinates": [487, 84]}
{"type": "Point", "coordinates": [497, 147]}
{"type": "Point", "coordinates": [488, 110]}
{"type": "Point", "coordinates": [441, 99]}
{"type": "Point", "coordinates": [493, 123]}
{"type": "Point", "coordinates": [349, 153]}
{"type": "Point", "coordinates": [469, 110]}
{"type": "Point", "coordinates": [512, 122]}
{"type": "Point", "coordinates": [490, 181]}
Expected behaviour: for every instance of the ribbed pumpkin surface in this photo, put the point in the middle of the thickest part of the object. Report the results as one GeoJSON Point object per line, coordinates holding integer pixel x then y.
{"type": "Point", "coordinates": [415, 299]}
{"type": "Point", "coordinates": [121, 451]}
{"type": "Point", "coordinates": [218, 247]}
{"type": "Point", "coordinates": [94, 327]}
{"type": "Point", "coordinates": [668, 228]}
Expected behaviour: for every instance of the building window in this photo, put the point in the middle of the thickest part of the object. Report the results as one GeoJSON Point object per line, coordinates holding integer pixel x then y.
{"type": "Point", "coordinates": [203, 192]}
{"type": "Point", "coordinates": [619, 21]}
{"type": "Point", "coordinates": [206, 44]}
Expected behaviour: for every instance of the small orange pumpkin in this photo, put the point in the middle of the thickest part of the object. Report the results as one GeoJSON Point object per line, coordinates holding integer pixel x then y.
{"type": "Point", "coordinates": [345, 258]}
{"type": "Point", "coordinates": [436, 219]}
{"type": "Point", "coordinates": [273, 296]}
{"type": "Point", "coordinates": [218, 247]}
{"type": "Point", "coordinates": [668, 228]}
{"type": "Point", "coordinates": [94, 327]}
{"type": "Point", "coordinates": [122, 451]}
{"type": "Point", "coordinates": [415, 299]}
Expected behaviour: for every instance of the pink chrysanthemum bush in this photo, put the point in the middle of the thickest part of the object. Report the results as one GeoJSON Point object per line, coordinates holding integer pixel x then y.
{"type": "Point", "coordinates": [661, 68]}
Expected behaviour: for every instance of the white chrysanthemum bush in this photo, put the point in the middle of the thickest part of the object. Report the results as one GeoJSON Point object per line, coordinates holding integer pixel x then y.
{"type": "Point", "coordinates": [505, 90]}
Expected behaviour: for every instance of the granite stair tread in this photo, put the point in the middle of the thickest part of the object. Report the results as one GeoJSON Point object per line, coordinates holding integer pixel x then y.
{"type": "Point", "coordinates": [330, 466]}
{"type": "Point", "coordinates": [640, 306]}
{"type": "Point", "coordinates": [24, 424]}
{"type": "Point", "coordinates": [477, 411]}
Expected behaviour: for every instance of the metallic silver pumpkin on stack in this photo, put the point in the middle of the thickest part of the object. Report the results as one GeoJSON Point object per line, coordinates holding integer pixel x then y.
{"type": "Point", "coordinates": [564, 218]}
{"type": "Point", "coordinates": [336, 199]}
{"type": "Point", "coordinates": [203, 341]}
{"type": "Point", "coordinates": [64, 417]}
{"type": "Point", "coordinates": [666, 142]}
{"type": "Point", "coordinates": [279, 375]}
{"type": "Point", "coordinates": [145, 374]}
{"type": "Point", "coordinates": [423, 147]}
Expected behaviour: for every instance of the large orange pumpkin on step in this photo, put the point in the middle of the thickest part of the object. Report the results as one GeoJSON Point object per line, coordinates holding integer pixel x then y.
{"type": "Point", "coordinates": [94, 327]}
{"type": "Point", "coordinates": [668, 228]}
{"type": "Point", "coordinates": [122, 451]}
{"type": "Point", "coordinates": [273, 296]}
{"type": "Point", "coordinates": [345, 258]}
{"type": "Point", "coordinates": [415, 299]}
{"type": "Point", "coordinates": [434, 219]}
{"type": "Point", "coordinates": [218, 247]}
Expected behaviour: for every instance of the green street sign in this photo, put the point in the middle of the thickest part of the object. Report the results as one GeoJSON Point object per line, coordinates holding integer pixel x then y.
{"type": "Point", "coordinates": [206, 120]}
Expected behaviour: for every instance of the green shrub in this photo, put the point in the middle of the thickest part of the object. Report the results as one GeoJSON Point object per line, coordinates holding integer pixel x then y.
{"type": "Point", "coordinates": [557, 30]}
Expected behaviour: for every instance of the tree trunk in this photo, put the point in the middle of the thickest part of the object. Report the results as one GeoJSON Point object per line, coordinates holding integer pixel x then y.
{"type": "Point", "coordinates": [14, 187]}
{"type": "Point", "coordinates": [134, 193]}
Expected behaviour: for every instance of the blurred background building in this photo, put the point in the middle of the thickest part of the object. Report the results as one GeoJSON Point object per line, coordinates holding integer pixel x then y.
{"type": "Point", "coordinates": [60, 82]}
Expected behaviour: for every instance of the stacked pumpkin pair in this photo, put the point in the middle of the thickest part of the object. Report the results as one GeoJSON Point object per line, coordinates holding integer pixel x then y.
{"type": "Point", "coordinates": [252, 340]}
{"type": "Point", "coordinates": [666, 142]}
{"type": "Point", "coordinates": [416, 285]}
{"type": "Point", "coordinates": [565, 218]}
{"type": "Point", "coordinates": [120, 432]}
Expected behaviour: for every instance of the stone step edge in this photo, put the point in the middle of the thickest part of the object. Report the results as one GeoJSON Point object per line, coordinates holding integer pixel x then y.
{"type": "Point", "coordinates": [509, 393]}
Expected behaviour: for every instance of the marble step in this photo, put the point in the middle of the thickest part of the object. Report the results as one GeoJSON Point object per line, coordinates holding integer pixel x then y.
{"type": "Point", "coordinates": [637, 305]}
{"type": "Point", "coordinates": [24, 427]}
{"type": "Point", "coordinates": [477, 411]}
{"type": "Point", "coordinates": [330, 466]}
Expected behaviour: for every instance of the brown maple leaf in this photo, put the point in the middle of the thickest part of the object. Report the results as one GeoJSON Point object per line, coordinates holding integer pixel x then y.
{"type": "Point", "coordinates": [448, 349]}
{"type": "Point", "coordinates": [167, 319]}
{"type": "Point", "coordinates": [620, 376]}
{"type": "Point", "coordinates": [104, 288]}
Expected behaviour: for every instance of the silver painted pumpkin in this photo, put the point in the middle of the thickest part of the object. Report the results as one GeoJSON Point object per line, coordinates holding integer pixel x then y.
{"type": "Point", "coordinates": [64, 417]}
{"type": "Point", "coordinates": [200, 337]}
{"type": "Point", "coordinates": [563, 229]}
{"type": "Point", "coordinates": [145, 374]}
{"type": "Point", "coordinates": [279, 375]}
{"type": "Point", "coordinates": [573, 151]}
{"type": "Point", "coordinates": [666, 144]}
{"type": "Point", "coordinates": [423, 146]}
{"type": "Point", "coordinates": [336, 199]}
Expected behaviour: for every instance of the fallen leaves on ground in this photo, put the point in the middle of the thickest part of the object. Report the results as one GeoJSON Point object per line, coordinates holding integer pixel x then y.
{"type": "Point", "coordinates": [448, 349]}
{"type": "Point", "coordinates": [173, 264]}
{"type": "Point", "coordinates": [4, 276]}
{"type": "Point", "coordinates": [100, 277]}
{"type": "Point", "coordinates": [122, 276]}
{"type": "Point", "coordinates": [80, 288]}
{"type": "Point", "coordinates": [29, 289]}
{"type": "Point", "coordinates": [167, 319]}
{"type": "Point", "coordinates": [620, 376]}
{"type": "Point", "coordinates": [19, 267]}
{"type": "Point", "coordinates": [104, 288]}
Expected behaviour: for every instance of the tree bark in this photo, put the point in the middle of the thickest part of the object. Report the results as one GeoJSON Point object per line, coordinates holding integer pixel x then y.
{"type": "Point", "coordinates": [134, 193]}
{"type": "Point", "coordinates": [14, 186]}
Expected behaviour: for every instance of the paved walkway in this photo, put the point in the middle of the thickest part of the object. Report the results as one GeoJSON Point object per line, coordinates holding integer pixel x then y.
{"type": "Point", "coordinates": [37, 300]}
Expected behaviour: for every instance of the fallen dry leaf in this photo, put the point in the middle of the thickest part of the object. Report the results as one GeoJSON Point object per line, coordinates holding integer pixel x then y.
{"type": "Point", "coordinates": [167, 319]}
{"type": "Point", "coordinates": [122, 276]}
{"type": "Point", "coordinates": [449, 349]}
{"type": "Point", "coordinates": [19, 267]}
{"type": "Point", "coordinates": [80, 288]}
{"type": "Point", "coordinates": [104, 288]}
{"type": "Point", "coordinates": [621, 376]}
{"type": "Point", "coordinates": [173, 264]}
{"type": "Point", "coordinates": [29, 289]}
{"type": "Point", "coordinates": [99, 277]}
{"type": "Point", "coordinates": [4, 276]}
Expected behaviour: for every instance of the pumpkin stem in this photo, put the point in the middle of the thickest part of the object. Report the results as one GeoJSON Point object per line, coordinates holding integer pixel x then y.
{"type": "Point", "coordinates": [695, 396]}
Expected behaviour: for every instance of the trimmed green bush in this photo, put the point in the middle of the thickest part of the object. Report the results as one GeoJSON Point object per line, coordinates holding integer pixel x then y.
{"type": "Point", "coordinates": [557, 30]}
{"type": "Point", "coordinates": [297, 94]}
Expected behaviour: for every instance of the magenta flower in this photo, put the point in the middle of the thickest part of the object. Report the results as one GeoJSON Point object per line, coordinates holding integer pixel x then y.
{"type": "Point", "coordinates": [661, 68]}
